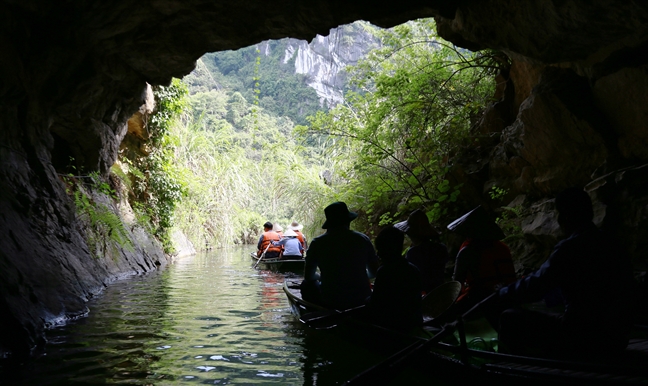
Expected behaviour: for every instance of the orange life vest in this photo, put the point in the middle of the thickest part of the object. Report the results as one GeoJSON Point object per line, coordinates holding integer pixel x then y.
{"type": "Point", "coordinates": [267, 238]}
{"type": "Point", "coordinates": [302, 240]}
{"type": "Point", "coordinates": [495, 267]}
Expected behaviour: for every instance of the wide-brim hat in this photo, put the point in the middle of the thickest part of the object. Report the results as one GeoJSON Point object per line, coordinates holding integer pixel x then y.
{"type": "Point", "coordinates": [290, 233]}
{"type": "Point", "coordinates": [417, 224]}
{"type": "Point", "coordinates": [477, 224]}
{"type": "Point", "coordinates": [277, 228]}
{"type": "Point", "coordinates": [337, 214]}
{"type": "Point", "coordinates": [296, 226]}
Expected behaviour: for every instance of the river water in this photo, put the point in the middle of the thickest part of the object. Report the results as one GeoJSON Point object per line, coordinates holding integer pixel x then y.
{"type": "Point", "coordinates": [207, 319]}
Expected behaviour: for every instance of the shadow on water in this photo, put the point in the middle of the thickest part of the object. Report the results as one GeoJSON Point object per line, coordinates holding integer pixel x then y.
{"type": "Point", "coordinates": [208, 319]}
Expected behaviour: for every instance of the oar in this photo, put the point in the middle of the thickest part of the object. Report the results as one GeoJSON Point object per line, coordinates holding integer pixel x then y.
{"type": "Point", "coordinates": [262, 255]}
{"type": "Point", "coordinates": [323, 320]}
{"type": "Point", "coordinates": [387, 368]}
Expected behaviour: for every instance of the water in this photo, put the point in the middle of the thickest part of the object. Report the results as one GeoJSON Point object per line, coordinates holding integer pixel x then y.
{"type": "Point", "coordinates": [208, 319]}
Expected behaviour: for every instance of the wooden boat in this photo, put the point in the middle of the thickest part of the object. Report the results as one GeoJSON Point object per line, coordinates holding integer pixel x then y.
{"type": "Point", "coordinates": [467, 354]}
{"type": "Point", "coordinates": [472, 355]}
{"type": "Point", "coordinates": [279, 265]}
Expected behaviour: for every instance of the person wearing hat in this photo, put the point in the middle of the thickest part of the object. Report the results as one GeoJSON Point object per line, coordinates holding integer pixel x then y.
{"type": "Point", "coordinates": [396, 298]}
{"type": "Point", "coordinates": [278, 228]}
{"type": "Point", "coordinates": [592, 271]}
{"type": "Point", "coordinates": [425, 254]}
{"type": "Point", "coordinates": [343, 257]}
{"type": "Point", "coordinates": [484, 263]}
{"type": "Point", "coordinates": [265, 242]}
{"type": "Point", "coordinates": [292, 248]}
{"type": "Point", "coordinates": [297, 227]}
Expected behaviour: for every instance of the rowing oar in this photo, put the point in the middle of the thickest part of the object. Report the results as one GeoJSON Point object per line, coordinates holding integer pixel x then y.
{"type": "Point", "coordinates": [387, 368]}
{"type": "Point", "coordinates": [324, 320]}
{"type": "Point", "coordinates": [262, 255]}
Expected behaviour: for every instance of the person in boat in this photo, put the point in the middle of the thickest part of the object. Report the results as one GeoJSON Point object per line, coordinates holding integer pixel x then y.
{"type": "Point", "coordinates": [265, 243]}
{"type": "Point", "coordinates": [429, 256]}
{"type": "Point", "coordinates": [278, 228]}
{"type": "Point", "coordinates": [396, 298]}
{"type": "Point", "coordinates": [594, 275]}
{"type": "Point", "coordinates": [484, 263]}
{"type": "Point", "coordinates": [292, 248]}
{"type": "Point", "coordinates": [297, 227]}
{"type": "Point", "coordinates": [345, 258]}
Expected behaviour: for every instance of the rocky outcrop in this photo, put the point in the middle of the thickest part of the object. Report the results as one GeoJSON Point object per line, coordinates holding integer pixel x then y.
{"type": "Point", "coordinates": [324, 58]}
{"type": "Point", "coordinates": [73, 73]}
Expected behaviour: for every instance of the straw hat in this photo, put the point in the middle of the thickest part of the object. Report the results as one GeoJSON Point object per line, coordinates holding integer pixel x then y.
{"type": "Point", "coordinates": [477, 224]}
{"type": "Point", "coordinates": [337, 214]}
{"type": "Point", "coordinates": [417, 224]}
{"type": "Point", "coordinates": [290, 233]}
{"type": "Point", "coordinates": [277, 228]}
{"type": "Point", "coordinates": [296, 226]}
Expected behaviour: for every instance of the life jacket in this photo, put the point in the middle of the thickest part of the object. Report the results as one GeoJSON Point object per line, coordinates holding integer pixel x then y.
{"type": "Point", "coordinates": [495, 267]}
{"type": "Point", "coordinates": [302, 240]}
{"type": "Point", "coordinates": [268, 237]}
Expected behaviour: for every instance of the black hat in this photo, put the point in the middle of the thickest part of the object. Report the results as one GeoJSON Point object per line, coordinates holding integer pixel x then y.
{"type": "Point", "coordinates": [477, 224]}
{"type": "Point", "coordinates": [337, 214]}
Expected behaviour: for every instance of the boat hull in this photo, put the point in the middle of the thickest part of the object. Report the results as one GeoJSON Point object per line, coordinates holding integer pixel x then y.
{"type": "Point", "coordinates": [280, 265]}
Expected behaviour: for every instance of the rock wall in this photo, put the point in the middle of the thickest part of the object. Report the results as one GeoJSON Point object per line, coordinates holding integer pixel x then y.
{"type": "Point", "coordinates": [571, 111]}
{"type": "Point", "coordinates": [73, 73]}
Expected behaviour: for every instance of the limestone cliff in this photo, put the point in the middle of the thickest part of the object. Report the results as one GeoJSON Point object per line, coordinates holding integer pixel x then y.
{"type": "Point", "coordinates": [324, 58]}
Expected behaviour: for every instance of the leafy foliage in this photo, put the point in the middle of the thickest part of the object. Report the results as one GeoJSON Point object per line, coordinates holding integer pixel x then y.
{"type": "Point", "coordinates": [417, 97]}
{"type": "Point", "coordinates": [154, 180]}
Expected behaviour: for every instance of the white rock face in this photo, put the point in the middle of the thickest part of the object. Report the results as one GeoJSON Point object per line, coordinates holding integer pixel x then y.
{"type": "Point", "coordinates": [323, 59]}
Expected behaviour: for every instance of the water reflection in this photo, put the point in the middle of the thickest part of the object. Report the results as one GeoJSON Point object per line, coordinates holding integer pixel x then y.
{"type": "Point", "coordinates": [208, 319]}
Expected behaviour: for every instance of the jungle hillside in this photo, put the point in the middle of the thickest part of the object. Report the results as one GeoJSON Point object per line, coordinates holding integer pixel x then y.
{"type": "Point", "coordinates": [249, 136]}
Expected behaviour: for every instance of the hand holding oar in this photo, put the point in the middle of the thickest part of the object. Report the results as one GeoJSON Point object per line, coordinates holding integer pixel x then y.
{"type": "Point", "coordinates": [323, 320]}
{"type": "Point", "coordinates": [262, 255]}
{"type": "Point", "coordinates": [387, 367]}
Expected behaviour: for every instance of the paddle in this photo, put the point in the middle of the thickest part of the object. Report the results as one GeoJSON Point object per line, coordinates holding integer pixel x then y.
{"type": "Point", "coordinates": [262, 255]}
{"type": "Point", "coordinates": [324, 320]}
{"type": "Point", "coordinates": [387, 368]}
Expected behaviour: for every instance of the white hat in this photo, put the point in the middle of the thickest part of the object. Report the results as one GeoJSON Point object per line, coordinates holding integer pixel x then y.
{"type": "Point", "coordinates": [296, 226]}
{"type": "Point", "coordinates": [277, 228]}
{"type": "Point", "coordinates": [290, 233]}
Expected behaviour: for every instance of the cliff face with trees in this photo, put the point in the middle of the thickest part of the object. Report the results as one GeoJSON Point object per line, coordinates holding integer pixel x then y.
{"type": "Point", "coordinates": [571, 110]}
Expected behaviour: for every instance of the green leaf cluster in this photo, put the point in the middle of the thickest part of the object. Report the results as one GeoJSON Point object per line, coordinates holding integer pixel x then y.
{"type": "Point", "coordinates": [414, 103]}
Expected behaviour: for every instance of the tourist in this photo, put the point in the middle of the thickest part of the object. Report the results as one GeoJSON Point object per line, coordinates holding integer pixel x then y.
{"type": "Point", "coordinates": [594, 275]}
{"type": "Point", "coordinates": [396, 298]}
{"type": "Point", "coordinates": [429, 256]}
{"type": "Point", "coordinates": [343, 257]}
{"type": "Point", "coordinates": [292, 248]}
{"type": "Point", "coordinates": [297, 227]}
{"type": "Point", "coordinates": [484, 263]}
{"type": "Point", "coordinates": [265, 243]}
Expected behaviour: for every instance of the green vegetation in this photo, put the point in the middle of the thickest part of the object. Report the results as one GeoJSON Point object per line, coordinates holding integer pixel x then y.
{"type": "Point", "coordinates": [152, 177]}
{"type": "Point", "coordinates": [245, 151]}
{"type": "Point", "coordinates": [105, 228]}
{"type": "Point", "coordinates": [418, 99]}
{"type": "Point", "coordinates": [264, 80]}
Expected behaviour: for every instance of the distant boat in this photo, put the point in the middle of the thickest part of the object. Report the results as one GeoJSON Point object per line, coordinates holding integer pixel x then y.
{"type": "Point", "coordinates": [279, 265]}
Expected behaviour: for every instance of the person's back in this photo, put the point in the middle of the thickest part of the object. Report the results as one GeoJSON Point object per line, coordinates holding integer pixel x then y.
{"type": "Point", "coordinates": [343, 257]}
{"type": "Point", "coordinates": [396, 298]}
{"type": "Point", "coordinates": [430, 258]}
{"type": "Point", "coordinates": [265, 245]}
{"type": "Point", "coordinates": [594, 276]}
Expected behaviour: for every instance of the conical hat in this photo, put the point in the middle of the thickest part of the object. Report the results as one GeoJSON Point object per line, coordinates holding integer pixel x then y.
{"type": "Point", "coordinates": [417, 224]}
{"type": "Point", "coordinates": [290, 233]}
{"type": "Point", "coordinates": [477, 224]}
